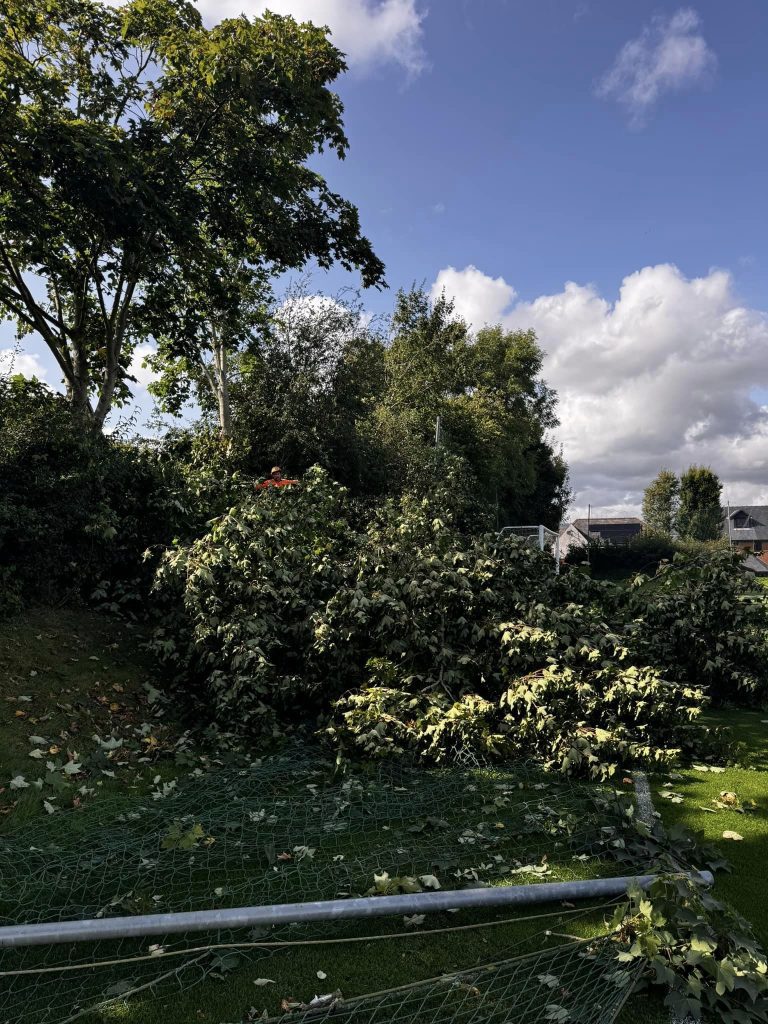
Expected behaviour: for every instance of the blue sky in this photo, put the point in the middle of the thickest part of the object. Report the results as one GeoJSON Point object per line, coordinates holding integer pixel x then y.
{"type": "Point", "coordinates": [502, 149]}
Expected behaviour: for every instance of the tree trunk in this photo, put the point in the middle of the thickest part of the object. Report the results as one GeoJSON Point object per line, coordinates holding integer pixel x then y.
{"type": "Point", "coordinates": [78, 386]}
{"type": "Point", "coordinates": [221, 382]}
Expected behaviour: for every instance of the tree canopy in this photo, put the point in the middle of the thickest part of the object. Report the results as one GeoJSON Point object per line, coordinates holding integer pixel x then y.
{"type": "Point", "coordinates": [699, 513]}
{"type": "Point", "coordinates": [138, 148]}
{"type": "Point", "coordinates": [660, 503]}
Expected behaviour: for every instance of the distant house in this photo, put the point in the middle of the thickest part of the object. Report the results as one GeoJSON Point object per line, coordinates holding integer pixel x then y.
{"type": "Point", "coordinates": [605, 530]}
{"type": "Point", "coordinates": [746, 527]}
{"type": "Point", "coordinates": [756, 564]}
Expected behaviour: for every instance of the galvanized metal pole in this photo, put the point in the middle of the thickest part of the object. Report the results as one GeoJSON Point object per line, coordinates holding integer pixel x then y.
{"type": "Point", "coordinates": [57, 932]}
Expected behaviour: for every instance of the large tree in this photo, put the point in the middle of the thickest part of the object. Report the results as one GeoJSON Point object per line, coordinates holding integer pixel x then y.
{"type": "Point", "coordinates": [494, 407]}
{"type": "Point", "coordinates": [138, 148]}
{"type": "Point", "coordinates": [299, 388]}
{"type": "Point", "coordinates": [699, 513]}
{"type": "Point", "coordinates": [660, 503]}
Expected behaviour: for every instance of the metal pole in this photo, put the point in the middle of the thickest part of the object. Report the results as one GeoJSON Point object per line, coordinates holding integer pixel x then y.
{"type": "Point", "coordinates": [55, 932]}
{"type": "Point", "coordinates": [541, 537]}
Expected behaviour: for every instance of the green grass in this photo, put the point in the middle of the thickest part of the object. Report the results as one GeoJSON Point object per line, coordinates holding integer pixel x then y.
{"type": "Point", "coordinates": [746, 887]}
{"type": "Point", "coordinates": [85, 674]}
{"type": "Point", "coordinates": [65, 676]}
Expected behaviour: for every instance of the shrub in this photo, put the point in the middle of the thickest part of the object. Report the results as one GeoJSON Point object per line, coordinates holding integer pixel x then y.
{"type": "Point", "coordinates": [643, 553]}
{"type": "Point", "coordinates": [76, 507]}
{"type": "Point", "coordinates": [238, 605]}
{"type": "Point", "coordinates": [701, 619]}
{"type": "Point", "coordinates": [701, 951]}
{"type": "Point", "coordinates": [406, 635]}
{"type": "Point", "coordinates": [427, 599]}
{"type": "Point", "coordinates": [378, 722]}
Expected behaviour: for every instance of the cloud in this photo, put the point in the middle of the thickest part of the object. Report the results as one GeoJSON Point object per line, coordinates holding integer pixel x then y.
{"type": "Point", "coordinates": [669, 54]}
{"type": "Point", "coordinates": [28, 365]}
{"type": "Point", "coordinates": [143, 374]}
{"type": "Point", "coordinates": [370, 32]}
{"type": "Point", "coordinates": [666, 375]}
{"type": "Point", "coordinates": [477, 298]}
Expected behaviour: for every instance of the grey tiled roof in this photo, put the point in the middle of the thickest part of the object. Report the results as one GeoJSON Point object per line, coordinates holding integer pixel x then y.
{"type": "Point", "coordinates": [753, 564]}
{"type": "Point", "coordinates": [621, 526]}
{"type": "Point", "coordinates": [758, 513]}
{"type": "Point", "coordinates": [606, 521]}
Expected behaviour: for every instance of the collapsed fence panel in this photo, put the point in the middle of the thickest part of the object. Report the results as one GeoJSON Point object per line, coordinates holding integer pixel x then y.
{"type": "Point", "coordinates": [289, 831]}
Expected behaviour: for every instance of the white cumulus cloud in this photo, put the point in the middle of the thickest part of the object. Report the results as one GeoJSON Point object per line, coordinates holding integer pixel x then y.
{"type": "Point", "coordinates": [27, 364]}
{"type": "Point", "coordinates": [477, 298]}
{"type": "Point", "coordinates": [669, 54]}
{"type": "Point", "coordinates": [370, 32]}
{"type": "Point", "coordinates": [143, 374]}
{"type": "Point", "coordinates": [665, 375]}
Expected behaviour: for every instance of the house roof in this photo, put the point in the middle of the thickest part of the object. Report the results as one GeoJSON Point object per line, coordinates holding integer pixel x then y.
{"type": "Point", "coordinates": [756, 565]}
{"type": "Point", "coordinates": [758, 513]}
{"type": "Point", "coordinates": [593, 525]}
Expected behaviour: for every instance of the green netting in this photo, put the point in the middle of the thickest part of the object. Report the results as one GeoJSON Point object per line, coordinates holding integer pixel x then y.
{"type": "Point", "coordinates": [289, 830]}
{"type": "Point", "coordinates": [577, 982]}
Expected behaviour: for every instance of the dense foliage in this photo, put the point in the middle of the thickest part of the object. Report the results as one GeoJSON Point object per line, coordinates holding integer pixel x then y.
{"type": "Point", "coordinates": [407, 635]}
{"type": "Point", "coordinates": [699, 512]}
{"type": "Point", "coordinates": [702, 952]}
{"type": "Point", "coordinates": [702, 620]}
{"type": "Point", "coordinates": [641, 554]}
{"type": "Point", "coordinates": [319, 383]}
{"type": "Point", "coordinates": [661, 499]}
{"type": "Point", "coordinates": [143, 153]}
{"type": "Point", "coordinates": [76, 508]}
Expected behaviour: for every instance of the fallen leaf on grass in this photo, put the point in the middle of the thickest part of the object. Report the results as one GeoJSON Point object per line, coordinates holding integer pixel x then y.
{"type": "Point", "coordinates": [674, 798]}
{"type": "Point", "coordinates": [413, 921]}
{"type": "Point", "coordinates": [732, 835]}
{"type": "Point", "coordinates": [263, 981]}
{"type": "Point", "coordinates": [322, 975]}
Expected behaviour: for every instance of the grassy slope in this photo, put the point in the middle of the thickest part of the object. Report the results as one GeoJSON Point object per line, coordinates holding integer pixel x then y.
{"type": "Point", "coordinates": [80, 674]}
{"type": "Point", "coordinates": [88, 677]}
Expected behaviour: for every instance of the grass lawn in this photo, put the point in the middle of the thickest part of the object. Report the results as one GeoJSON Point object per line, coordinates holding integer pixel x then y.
{"type": "Point", "coordinates": [83, 676]}
{"type": "Point", "coordinates": [72, 681]}
{"type": "Point", "coordinates": [746, 888]}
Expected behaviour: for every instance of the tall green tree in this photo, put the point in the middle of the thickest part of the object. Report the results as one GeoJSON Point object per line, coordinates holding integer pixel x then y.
{"type": "Point", "coordinates": [136, 144]}
{"type": "Point", "coordinates": [302, 386]}
{"type": "Point", "coordinates": [699, 513]}
{"type": "Point", "coordinates": [495, 409]}
{"type": "Point", "coordinates": [660, 503]}
{"type": "Point", "coordinates": [217, 333]}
